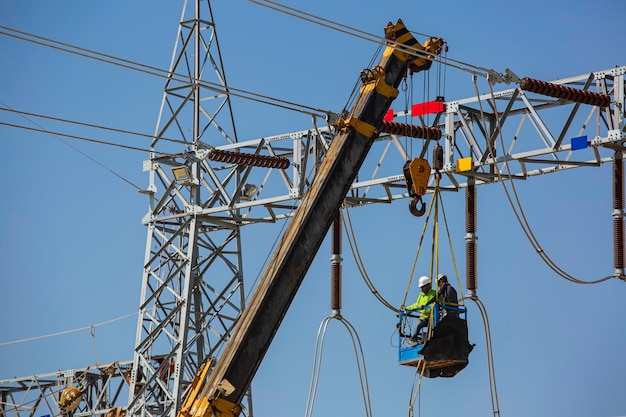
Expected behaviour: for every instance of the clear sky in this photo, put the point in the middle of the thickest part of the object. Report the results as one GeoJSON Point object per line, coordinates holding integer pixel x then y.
{"type": "Point", "coordinates": [72, 242]}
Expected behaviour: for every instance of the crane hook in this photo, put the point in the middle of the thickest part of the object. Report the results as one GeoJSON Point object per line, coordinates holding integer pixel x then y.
{"type": "Point", "coordinates": [413, 207]}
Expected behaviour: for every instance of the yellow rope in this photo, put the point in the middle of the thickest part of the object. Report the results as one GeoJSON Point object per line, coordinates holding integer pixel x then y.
{"type": "Point", "coordinates": [456, 269]}
{"type": "Point", "coordinates": [419, 247]}
{"type": "Point", "coordinates": [435, 202]}
{"type": "Point", "coordinates": [434, 260]}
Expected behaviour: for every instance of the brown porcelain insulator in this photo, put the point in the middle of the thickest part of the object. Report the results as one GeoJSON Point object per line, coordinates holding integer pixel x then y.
{"type": "Point", "coordinates": [412, 131]}
{"type": "Point", "coordinates": [249, 159]}
{"type": "Point", "coordinates": [565, 93]}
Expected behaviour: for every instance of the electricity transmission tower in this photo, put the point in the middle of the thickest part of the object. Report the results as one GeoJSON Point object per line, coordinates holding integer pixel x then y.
{"type": "Point", "coordinates": [205, 185]}
{"type": "Point", "coordinates": [192, 286]}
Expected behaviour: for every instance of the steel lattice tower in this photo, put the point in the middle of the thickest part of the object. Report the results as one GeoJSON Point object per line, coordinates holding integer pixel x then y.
{"type": "Point", "coordinates": [192, 287]}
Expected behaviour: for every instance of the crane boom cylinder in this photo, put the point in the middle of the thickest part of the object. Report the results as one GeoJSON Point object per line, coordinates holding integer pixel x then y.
{"type": "Point", "coordinates": [280, 281]}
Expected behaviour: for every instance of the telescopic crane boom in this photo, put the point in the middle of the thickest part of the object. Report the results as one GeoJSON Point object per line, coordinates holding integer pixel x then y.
{"type": "Point", "coordinates": [220, 391]}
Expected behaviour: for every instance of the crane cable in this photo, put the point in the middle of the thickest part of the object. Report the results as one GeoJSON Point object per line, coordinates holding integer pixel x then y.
{"type": "Point", "coordinates": [516, 205]}
{"type": "Point", "coordinates": [354, 94]}
{"type": "Point", "coordinates": [317, 362]}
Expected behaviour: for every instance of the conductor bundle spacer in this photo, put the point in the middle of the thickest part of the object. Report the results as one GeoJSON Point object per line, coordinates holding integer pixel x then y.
{"type": "Point", "coordinates": [240, 158]}
{"type": "Point", "coordinates": [412, 131]}
{"type": "Point", "coordinates": [565, 93]}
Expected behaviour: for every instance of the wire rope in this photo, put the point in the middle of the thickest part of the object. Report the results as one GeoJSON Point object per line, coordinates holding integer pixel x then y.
{"type": "Point", "coordinates": [408, 100]}
{"type": "Point", "coordinates": [353, 94]}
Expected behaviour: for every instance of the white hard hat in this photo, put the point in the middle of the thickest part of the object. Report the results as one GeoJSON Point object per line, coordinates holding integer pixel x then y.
{"type": "Point", "coordinates": [443, 277]}
{"type": "Point", "coordinates": [424, 280]}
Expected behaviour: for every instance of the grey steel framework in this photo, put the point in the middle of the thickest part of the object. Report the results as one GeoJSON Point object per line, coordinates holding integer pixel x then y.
{"type": "Point", "coordinates": [192, 289]}
{"type": "Point", "coordinates": [101, 388]}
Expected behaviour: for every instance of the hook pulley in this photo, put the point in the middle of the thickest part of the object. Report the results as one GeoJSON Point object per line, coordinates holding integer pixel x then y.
{"type": "Point", "coordinates": [416, 174]}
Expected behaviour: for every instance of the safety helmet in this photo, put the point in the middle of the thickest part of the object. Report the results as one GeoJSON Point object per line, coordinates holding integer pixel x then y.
{"type": "Point", "coordinates": [442, 278]}
{"type": "Point", "coordinates": [424, 280]}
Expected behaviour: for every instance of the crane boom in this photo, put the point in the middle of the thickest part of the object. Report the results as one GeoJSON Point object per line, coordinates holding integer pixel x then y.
{"type": "Point", "coordinates": [226, 385]}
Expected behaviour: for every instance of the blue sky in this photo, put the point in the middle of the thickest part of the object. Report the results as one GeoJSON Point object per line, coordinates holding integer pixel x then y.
{"type": "Point", "coordinates": [72, 242]}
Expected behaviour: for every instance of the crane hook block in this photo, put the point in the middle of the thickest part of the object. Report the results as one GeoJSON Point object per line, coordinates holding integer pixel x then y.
{"type": "Point", "coordinates": [416, 174]}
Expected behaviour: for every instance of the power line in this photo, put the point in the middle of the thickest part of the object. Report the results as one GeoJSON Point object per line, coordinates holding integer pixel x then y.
{"type": "Point", "coordinates": [41, 129]}
{"type": "Point", "coordinates": [158, 72]}
{"type": "Point", "coordinates": [101, 142]}
{"type": "Point", "coordinates": [351, 31]}
{"type": "Point", "coordinates": [73, 122]}
{"type": "Point", "coordinates": [30, 339]}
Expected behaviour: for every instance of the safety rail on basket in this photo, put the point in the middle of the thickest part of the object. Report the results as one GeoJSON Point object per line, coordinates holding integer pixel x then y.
{"type": "Point", "coordinates": [408, 318]}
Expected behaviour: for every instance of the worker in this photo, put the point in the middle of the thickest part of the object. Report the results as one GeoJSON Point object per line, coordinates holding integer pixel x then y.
{"type": "Point", "coordinates": [447, 293]}
{"type": "Point", "coordinates": [424, 300]}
